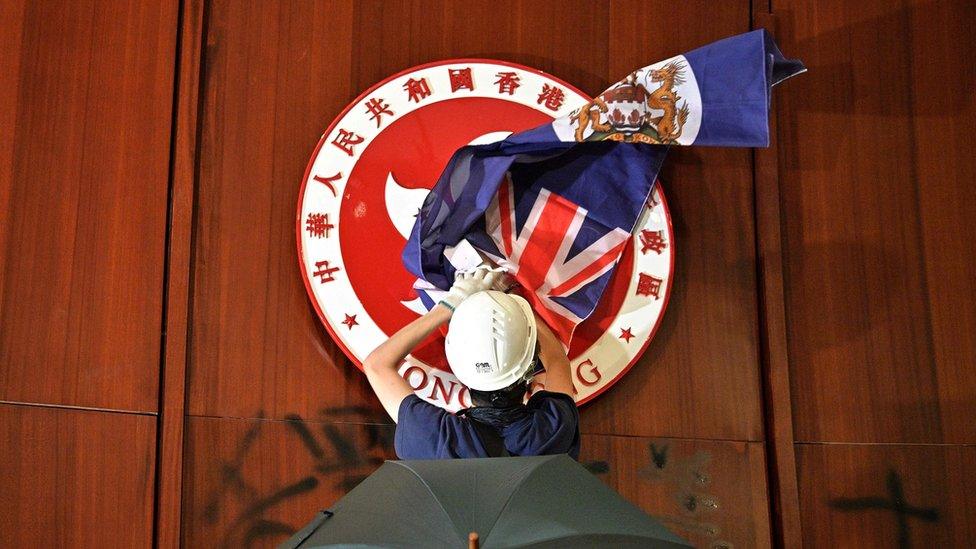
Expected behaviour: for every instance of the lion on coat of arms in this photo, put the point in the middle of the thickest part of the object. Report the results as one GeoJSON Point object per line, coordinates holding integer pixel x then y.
{"type": "Point", "coordinates": [624, 112]}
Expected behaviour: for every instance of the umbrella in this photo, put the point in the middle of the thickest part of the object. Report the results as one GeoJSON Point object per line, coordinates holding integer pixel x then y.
{"type": "Point", "coordinates": [539, 501]}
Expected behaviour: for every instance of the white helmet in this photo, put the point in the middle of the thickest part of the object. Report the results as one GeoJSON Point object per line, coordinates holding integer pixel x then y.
{"type": "Point", "coordinates": [491, 340]}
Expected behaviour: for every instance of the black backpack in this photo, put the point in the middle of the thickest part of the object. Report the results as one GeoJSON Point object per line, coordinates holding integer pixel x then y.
{"type": "Point", "coordinates": [490, 439]}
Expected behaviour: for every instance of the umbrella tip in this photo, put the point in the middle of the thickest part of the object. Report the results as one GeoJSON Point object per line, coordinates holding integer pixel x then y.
{"type": "Point", "coordinates": [473, 540]}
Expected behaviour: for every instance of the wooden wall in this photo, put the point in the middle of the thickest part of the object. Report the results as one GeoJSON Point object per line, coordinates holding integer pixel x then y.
{"type": "Point", "coordinates": [86, 101]}
{"type": "Point", "coordinates": [164, 378]}
{"type": "Point", "coordinates": [876, 169]}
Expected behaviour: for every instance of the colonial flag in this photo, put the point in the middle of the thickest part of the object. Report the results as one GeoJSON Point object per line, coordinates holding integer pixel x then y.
{"type": "Point", "coordinates": [556, 204]}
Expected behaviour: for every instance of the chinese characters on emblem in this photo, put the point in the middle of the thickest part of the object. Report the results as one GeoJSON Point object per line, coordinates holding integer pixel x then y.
{"type": "Point", "coordinates": [317, 225]}
{"type": "Point", "coordinates": [327, 181]}
{"type": "Point", "coordinates": [416, 89]}
{"type": "Point", "coordinates": [552, 97]}
{"type": "Point", "coordinates": [652, 240]}
{"type": "Point", "coordinates": [376, 108]}
{"type": "Point", "coordinates": [460, 79]}
{"type": "Point", "coordinates": [324, 272]}
{"type": "Point", "coordinates": [649, 285]}
{"type": "Point", "coordinates": [507, 82]}
{"type": "Point", "coordinates": [345, 141]}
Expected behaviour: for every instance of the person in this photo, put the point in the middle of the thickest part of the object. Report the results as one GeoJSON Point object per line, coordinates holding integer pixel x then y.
{"type": "Point", "coordinates": [495, 344]}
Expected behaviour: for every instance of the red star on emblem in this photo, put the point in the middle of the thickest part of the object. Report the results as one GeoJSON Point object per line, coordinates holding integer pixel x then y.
{"type": "Point", "coordinates": [626, 334]}
{"type": "Point", "coordinates": [350, 321]}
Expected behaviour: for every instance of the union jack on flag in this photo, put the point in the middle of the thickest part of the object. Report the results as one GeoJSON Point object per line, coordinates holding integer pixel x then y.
{"type": "Point", "coordinates": [556, 204]}
{"type": "Point", "coordinates": [544, 252]}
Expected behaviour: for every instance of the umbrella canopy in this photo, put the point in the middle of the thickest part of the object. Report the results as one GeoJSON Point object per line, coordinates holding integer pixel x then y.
{"type": "Point", "coordinates": [540, 501]}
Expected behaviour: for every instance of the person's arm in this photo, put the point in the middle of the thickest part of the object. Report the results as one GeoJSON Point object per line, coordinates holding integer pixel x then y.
{"type": "Point", "coordinates": [381, 365]}
{"type": "Point", "coordinates": [558, 376]}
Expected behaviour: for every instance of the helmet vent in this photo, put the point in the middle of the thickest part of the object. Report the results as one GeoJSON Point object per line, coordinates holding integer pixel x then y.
{"type": "Point", "coordinates": [496, 326]}
{"type": "Point", "coordinates": [498, 337]}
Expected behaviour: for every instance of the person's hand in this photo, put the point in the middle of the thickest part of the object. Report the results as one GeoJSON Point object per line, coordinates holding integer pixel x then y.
{"type": "Point", "coordinates": [504, 282]}
{"type": "Point", "coordinates": [467, 283]}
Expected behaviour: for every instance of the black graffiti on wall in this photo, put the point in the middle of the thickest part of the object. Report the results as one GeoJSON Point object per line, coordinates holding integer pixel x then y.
{"type": "Point", "coordinates": [596, 466]}
{"type": "Point", "coordinates": [336, 455]}
{"type": "Point", "coordinates": [332, 440]}
{"type": "Point", "coordinates": [689, 481]}
{"type": "Point", "coordinates": [894, 501]}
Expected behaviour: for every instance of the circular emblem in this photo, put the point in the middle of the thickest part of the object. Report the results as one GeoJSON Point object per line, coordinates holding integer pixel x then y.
{"type": "Point", "coordinates": [369, 176]}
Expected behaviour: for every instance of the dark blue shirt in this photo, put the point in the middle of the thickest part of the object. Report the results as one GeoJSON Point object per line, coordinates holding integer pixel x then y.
{"type": "Point", "coordinates": [425, 431]}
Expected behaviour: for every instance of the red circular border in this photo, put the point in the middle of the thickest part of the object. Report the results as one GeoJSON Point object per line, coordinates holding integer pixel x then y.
{"type": "Point", "coordinates": [308, 170]}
